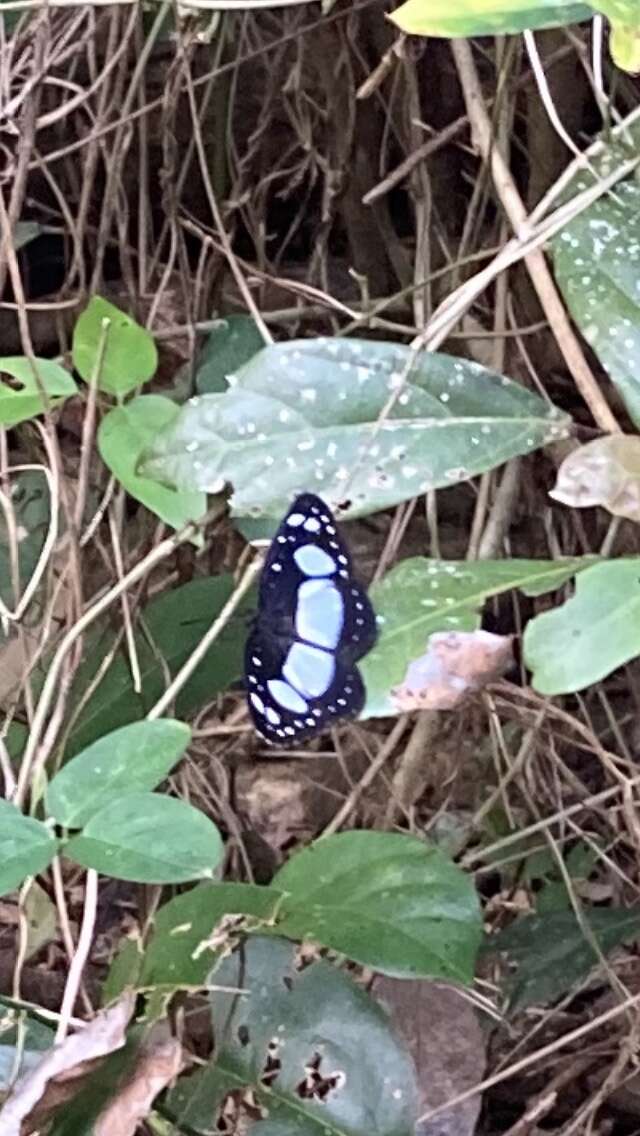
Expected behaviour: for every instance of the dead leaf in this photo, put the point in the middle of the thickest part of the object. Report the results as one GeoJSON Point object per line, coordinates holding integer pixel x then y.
{"type": "Point", "coordinates": [446, 1042]}
{"type": "Point", "coordinates": [159, 1061]}
{"type": "Point", "coordinates": [101, 1036]}
{"type": "Point", "coordinates": [604, 472]}
{"type": "Point", "coordinates": [455, 664]}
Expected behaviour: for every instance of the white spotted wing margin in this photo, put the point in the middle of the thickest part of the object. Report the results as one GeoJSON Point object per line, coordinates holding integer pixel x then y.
{"type": "Point", "coordinates": [314, 622]}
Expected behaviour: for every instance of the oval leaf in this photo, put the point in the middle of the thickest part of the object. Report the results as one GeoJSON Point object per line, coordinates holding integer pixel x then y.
{"type": "Point", "coordinates": [26, 847]}
{"type": "Point", "coordinates": [385, 900]}
{"type": "Point", "coordinates": [136, 757]}
{"type": "Point", "coordinates": [590, 635]}
{"type": "Point", "coordinates": [315, 1050]}
{"type": "Point", "coordinates": [420, 597]}
{"type": "Point", "coordinates": [23, 399]}
{"type": "Point", "coordinates": [130, 356]}
{"type": "Point", "coordinates": [124, 434]}
{"type": "Point", "coordinates": [305, 414]}
{"type": "Point", "coordinates": [148, 839]}
{"type": "Point", "coordinates": [485, 17]}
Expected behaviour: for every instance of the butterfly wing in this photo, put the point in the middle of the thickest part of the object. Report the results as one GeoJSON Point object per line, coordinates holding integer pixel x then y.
{"type": "Point", "coordinates": [314, 622]}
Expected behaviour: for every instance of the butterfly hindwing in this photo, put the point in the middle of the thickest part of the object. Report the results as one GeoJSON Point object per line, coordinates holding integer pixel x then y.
{"type": "Point", "coordinates": [314, 622]}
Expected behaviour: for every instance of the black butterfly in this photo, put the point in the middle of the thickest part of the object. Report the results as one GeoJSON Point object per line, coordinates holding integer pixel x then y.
{"type": "Point", "coordinates": [314, 622]}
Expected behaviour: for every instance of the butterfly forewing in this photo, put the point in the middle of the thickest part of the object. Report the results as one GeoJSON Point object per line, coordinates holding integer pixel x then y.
{"type": "Point", "coordinates": [314, 622]}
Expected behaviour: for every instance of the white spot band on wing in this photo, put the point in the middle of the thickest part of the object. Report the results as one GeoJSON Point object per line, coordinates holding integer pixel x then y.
{"type": "Point", "coordinates": [314, 561]}
{"type": "Point", "coordinates": [319, 613]}
{"type": "Point", "coordinates": [309, 670]}
{"type": "Point", "coordinates": [286, 696]}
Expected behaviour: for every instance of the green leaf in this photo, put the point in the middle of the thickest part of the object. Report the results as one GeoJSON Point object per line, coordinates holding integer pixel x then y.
{"type": "Point", "coordinates": [131, 759]}
{"type": "Point", "coordinates": [552, 954]}
{"type": "Point", "coordinates": [172, 625]}
{"type": "Point", "coordinates": [179, 954]}
{"type": "Point", "coordinates": [597, 266]}
{"type": "Point", "coordinates": [23, 399]}
{"type": "Point", "coordinates": [124, 434]}
{"type": "Point", "coordinates": [624, 45]}
{"type": "Point", "coordinates": [148, 839]}
{"type": "Point", "coordinates": [26, 847]}
{"type": "Point", "coordinates": [24, 1039]}
{"type": "Point", "coordinates": [305, 414]}
{"type": "Point", "coordinates": [290, 1031]}
{"type": "Point", "coordinates": [485, 17]}
{"type": "Point", "coordinates": [124, 972]}
{"type": "Point", "coordinates": [597, 630]}
{"type": "Point", "coordinates": [31, 508]}
{"type": "Point", "coordinates": [233, 342]}
{"type": "Point", "coordinates": [130, 356]}
{"type": "Point", "coordinates": [419, 597]}
{"type": "Point", "coordinates": [385, 900]}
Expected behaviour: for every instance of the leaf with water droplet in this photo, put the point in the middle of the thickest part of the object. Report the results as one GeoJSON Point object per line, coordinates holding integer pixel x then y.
{"type": "Point", "coordinates": [350, 419]}
{"type": "Point", "coordinates": [597, 266]}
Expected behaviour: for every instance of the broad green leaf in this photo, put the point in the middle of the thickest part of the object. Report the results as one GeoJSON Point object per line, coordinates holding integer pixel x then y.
{"type": "Point", "coordinates": [233, 342]}
{"type": "Point", "coordinates": [419, 597]}
{"type": "Point", "coordinates": [388, 901]}
{"type": "Point", "coordinates": [305, 414]}
{"type": "Point", "coordinates": [26, 847]}
{"type": "Point", "coordinates": [31, 509]}
{"type": "Point", "coordinates": [131, 759]}
{"type": "Point", "coordinates": [124, 434]}
{"type": "Point", "coordinates": [597, 630]}
{"type": "Point", "coordinates": [485, 17]}
{"type": "Point", "coordinates": [22, 399]}
{"type": "Point", "coordinates": [290, 1034]}
{"type": "Point", "coordinates": [552, 954]}
{"type": "Point", "coordinates": [148, 839]}
{"type": "Point", "coordinates": [172, 625]}
{"type": "Point", "coordinates": [180, 951]}
{"type": "Point", "coordinates": [24, 1039]}
{"type": "Point", "coordinates": [624, 45]}
{"type": "Point", "coordinates": [597, 266]}
{"type": "Point", "coordinates": [130, 356]}
{"type": "Point", "coordinates": [624, 11]}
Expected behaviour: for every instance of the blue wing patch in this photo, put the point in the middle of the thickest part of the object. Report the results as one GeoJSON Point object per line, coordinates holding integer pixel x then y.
{"type": "Point", "coordinates": [314, 622]}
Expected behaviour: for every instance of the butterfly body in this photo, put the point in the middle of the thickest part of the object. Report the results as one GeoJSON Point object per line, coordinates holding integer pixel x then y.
{"type": "Point", "coordinates": [314, 622]}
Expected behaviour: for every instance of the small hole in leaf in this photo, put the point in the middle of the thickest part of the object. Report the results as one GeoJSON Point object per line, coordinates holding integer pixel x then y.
{"type": "Point", "coordinates": [244, 1037]}
{"type": "Point", "coordinates": [316, 1087]}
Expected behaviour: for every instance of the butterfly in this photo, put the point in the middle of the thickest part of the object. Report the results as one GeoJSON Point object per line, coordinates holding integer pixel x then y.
{"type": "Point", "coordinates": [313, 624]}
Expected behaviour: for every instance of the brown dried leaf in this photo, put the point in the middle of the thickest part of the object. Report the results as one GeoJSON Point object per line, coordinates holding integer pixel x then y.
{"type": "Point", "coordinates": [455, 664]}
{"type": "Point", "coordinates": [159, 1061]}
{"type": "Point", "coordinates": [446, 1042]}
{"type": "Point", "coordinates": [604, 472]}
{"type": "Point", "coordinates": [66, 1061]}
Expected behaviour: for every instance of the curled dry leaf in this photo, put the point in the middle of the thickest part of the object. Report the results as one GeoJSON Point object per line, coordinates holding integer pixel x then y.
{"type": "Point", "coordinates": [66, 1061]}
{"type": "Point", "coordinates": [159, 1061]}
{"type": "Point", "coordinates": [604, 472]}
{"type": "Point", "coordinates": [455, 664]}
